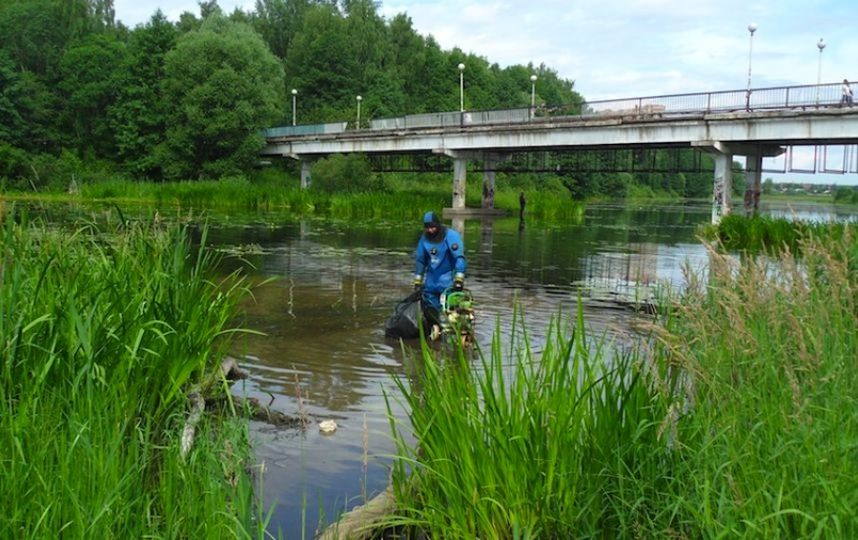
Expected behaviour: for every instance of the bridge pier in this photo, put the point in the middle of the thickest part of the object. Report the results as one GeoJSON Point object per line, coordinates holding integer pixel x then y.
{"type": "Point", "coordinates": [490, 161]}
{"type": "Point", "coordinates": [460, 173]}
{"type": "Point", "coordinates": [723, 155]}
{"type": "Point", "coordinates": [722, 187]}
{"type": "Point", "coordinates": [306, 178]}
{"type": "Point", "coordinates": [754, 169]}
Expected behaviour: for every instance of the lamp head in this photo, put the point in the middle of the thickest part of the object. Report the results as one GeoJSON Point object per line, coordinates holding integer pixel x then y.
{"type": "Point", "coordinates": [461, 67]}
{"type": "Point", "coordinates": [752, 28]}
{"type": "Point", "coordinates": [821, 44]}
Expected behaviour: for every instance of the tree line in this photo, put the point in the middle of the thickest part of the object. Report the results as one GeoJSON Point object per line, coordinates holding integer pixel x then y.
{"type": "Point", "coordinates": [82, 95]}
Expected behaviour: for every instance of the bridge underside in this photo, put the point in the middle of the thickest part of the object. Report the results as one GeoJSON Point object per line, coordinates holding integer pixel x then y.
{"type": "Point", "coordinates": [561, 162]}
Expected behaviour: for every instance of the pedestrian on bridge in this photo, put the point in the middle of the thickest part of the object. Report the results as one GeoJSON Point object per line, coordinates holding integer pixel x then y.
{"type": "Point", "coordinates": [847, 93]}
{"type": "Point", "coordinates": [439, 264]}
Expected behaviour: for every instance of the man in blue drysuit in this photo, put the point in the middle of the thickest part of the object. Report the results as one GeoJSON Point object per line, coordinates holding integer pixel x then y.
{"type": "Point", "coordinates": [439, 264]}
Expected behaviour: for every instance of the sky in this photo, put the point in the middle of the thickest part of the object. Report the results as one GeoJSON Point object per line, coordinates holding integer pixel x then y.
{"type": "Point", "coordinates": [627, 48]}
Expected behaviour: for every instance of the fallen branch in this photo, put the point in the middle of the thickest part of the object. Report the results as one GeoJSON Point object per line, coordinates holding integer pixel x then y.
{"type": "Point", "coordinates": [198, 405]}
{"type": "Point", "coordinates": [259, 412]}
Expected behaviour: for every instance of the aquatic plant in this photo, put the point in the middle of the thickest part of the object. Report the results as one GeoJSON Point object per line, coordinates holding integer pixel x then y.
{"type": "Point", "coordinates": [763, 233]}
{"type": "Point", "coordinates": [561, 444]}
{"type": "Point", "coordinates": [105, 333]}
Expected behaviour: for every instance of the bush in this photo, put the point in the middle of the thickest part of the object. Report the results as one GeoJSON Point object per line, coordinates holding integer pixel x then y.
{"type": "Point", "coordinates": [345, 174]}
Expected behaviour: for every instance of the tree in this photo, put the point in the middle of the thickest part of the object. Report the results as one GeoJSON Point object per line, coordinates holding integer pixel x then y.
{"type": "Point", "coordinates": [322, 67]}
{"type": "Point", "coordinates": [224, 86]}
{"type": "Point", "coordinates": [139, 120]}
{"type": "Point", "coordinates": [90, 81]}
{"type": "Point", "coordinates": [11, 123]}
{"type": "Point", "coordinates": [277, 21]}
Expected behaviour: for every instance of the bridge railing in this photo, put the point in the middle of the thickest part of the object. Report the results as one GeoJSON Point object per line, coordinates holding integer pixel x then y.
{"type": "Point", "coordinates": [306, 129]}
{"type": "Point", "coordinates": [784, 97]}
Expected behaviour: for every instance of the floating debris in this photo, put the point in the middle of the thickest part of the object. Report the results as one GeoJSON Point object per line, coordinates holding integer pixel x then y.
{"type": "Point", "coordinates": [327, 426]}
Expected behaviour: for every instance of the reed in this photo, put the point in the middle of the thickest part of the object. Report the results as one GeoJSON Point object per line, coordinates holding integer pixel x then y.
{"type": "Point", "coordinates": [105, 332]}
{"type": "Point", "coordinates": [775, 345]}
{"type": "Point", "coordinates": [763, 233]}
{"type": "Point", "coordinates": [735, 419]}
{"type": "Point", "coordinates": [560, 445]}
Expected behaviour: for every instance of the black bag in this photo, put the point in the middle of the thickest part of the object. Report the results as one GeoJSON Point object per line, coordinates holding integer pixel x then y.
{"type": "Point", "coordinates": [405, 321]}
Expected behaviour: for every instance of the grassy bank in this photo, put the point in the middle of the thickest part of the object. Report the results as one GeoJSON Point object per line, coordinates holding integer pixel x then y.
{"type": "Point", "coordinates": [762, 233]}
{"type": "Point", "coordinates": [105, 332]}
{"type": "Point", "coordinates": [737, 420]}
{"type": "Point", "coordinates": [399, 198]}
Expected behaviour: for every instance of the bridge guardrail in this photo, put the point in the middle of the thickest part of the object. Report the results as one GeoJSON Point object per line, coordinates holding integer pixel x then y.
{"type": "Point", "coordinates": [784, 97]}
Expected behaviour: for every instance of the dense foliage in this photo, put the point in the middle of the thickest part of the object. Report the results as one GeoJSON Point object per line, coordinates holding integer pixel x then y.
{"type": "Point", "coordinates": [107, 331]}
{"type": "Point", "coordinates": [84, 98]}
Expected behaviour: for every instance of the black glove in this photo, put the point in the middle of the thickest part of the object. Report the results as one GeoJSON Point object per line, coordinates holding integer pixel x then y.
{"type": "Point", "coordinates": [458, 286]}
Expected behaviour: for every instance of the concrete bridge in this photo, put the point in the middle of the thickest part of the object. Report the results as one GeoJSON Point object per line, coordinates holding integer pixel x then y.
{"type": "Point", "coordinates": [753, 124]}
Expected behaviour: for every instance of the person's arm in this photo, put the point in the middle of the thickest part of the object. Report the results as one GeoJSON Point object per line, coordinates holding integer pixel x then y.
{"type": "Point", "coordinates": [460, 264]}
{"type": "Point", "coordinates": [420, 261]}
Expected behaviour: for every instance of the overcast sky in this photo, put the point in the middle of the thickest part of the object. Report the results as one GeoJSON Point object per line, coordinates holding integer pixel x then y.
{"type": "Point", "coordinates": [627, 48]}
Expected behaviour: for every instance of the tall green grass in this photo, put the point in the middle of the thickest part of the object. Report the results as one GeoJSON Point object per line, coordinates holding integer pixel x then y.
{"type": "Point", "coordinates": [736, 419]}
{"type": "Point", "coordinates": [774, 349]}
{"type": "Point", "coordinates": [401, 199]}
{"type": "Point", "coordinates": [763, 233]}
{"type": "Point", "coordinates": [104, 334]}
{"type": "Point", "coordinates": [565, 444]}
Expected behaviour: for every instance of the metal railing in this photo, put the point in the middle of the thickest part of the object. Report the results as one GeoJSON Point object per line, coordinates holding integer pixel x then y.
{"type": "Point", "coordinates": [640, 108]}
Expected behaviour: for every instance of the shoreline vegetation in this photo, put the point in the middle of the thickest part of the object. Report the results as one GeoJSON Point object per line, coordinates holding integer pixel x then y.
{"type": "Point", "coordinates": [109, 335]}
{"type": "Point", "coordinates": [736, 418]}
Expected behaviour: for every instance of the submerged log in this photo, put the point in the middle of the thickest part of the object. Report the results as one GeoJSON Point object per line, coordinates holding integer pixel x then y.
{"type": "Point", "coordinates": [363, 521]}
{"type": "Point", "coordinates": [259, 412]}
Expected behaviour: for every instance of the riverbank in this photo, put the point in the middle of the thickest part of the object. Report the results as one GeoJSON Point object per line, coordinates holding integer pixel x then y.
{"type": "Point", "coordinates": [110, 333]}
{"type": "Point", "coordinates": [398, 198]}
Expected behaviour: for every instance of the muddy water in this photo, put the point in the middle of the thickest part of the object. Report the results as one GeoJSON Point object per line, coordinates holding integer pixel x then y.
{"type": "Point", "coordinates": [334, 284]}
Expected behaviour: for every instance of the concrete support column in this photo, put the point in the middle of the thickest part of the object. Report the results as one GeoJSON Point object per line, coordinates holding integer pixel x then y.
{"type": "Point", "coordinates": [460, 171]}
{"type": "Point", "coordinates": [754, 168]}
{"type": "Point", "coordinates": [490, 161]}
{"type": "Point", "coordinates": [723, 185]}
{"type": "Point", "coordinates": [306, 164]}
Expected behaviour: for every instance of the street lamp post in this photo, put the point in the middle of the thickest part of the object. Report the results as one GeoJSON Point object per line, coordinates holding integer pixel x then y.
{"type": "Point", "coordinates": [820, 45]}
{"type": "Point", "coordinates": [751, 29]}
{"type": "Point", "coordinates": [461, 87]}
{"type": "Point", "coordinates": [359, 99]}
{"type": "Point", "coordinates": [294, 99]}
{"type": "Point", "coordinates": [533, 91]}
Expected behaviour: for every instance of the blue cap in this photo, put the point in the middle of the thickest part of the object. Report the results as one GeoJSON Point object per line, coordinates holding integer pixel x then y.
{"type": "Point", "coordinates": [431, 218]}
